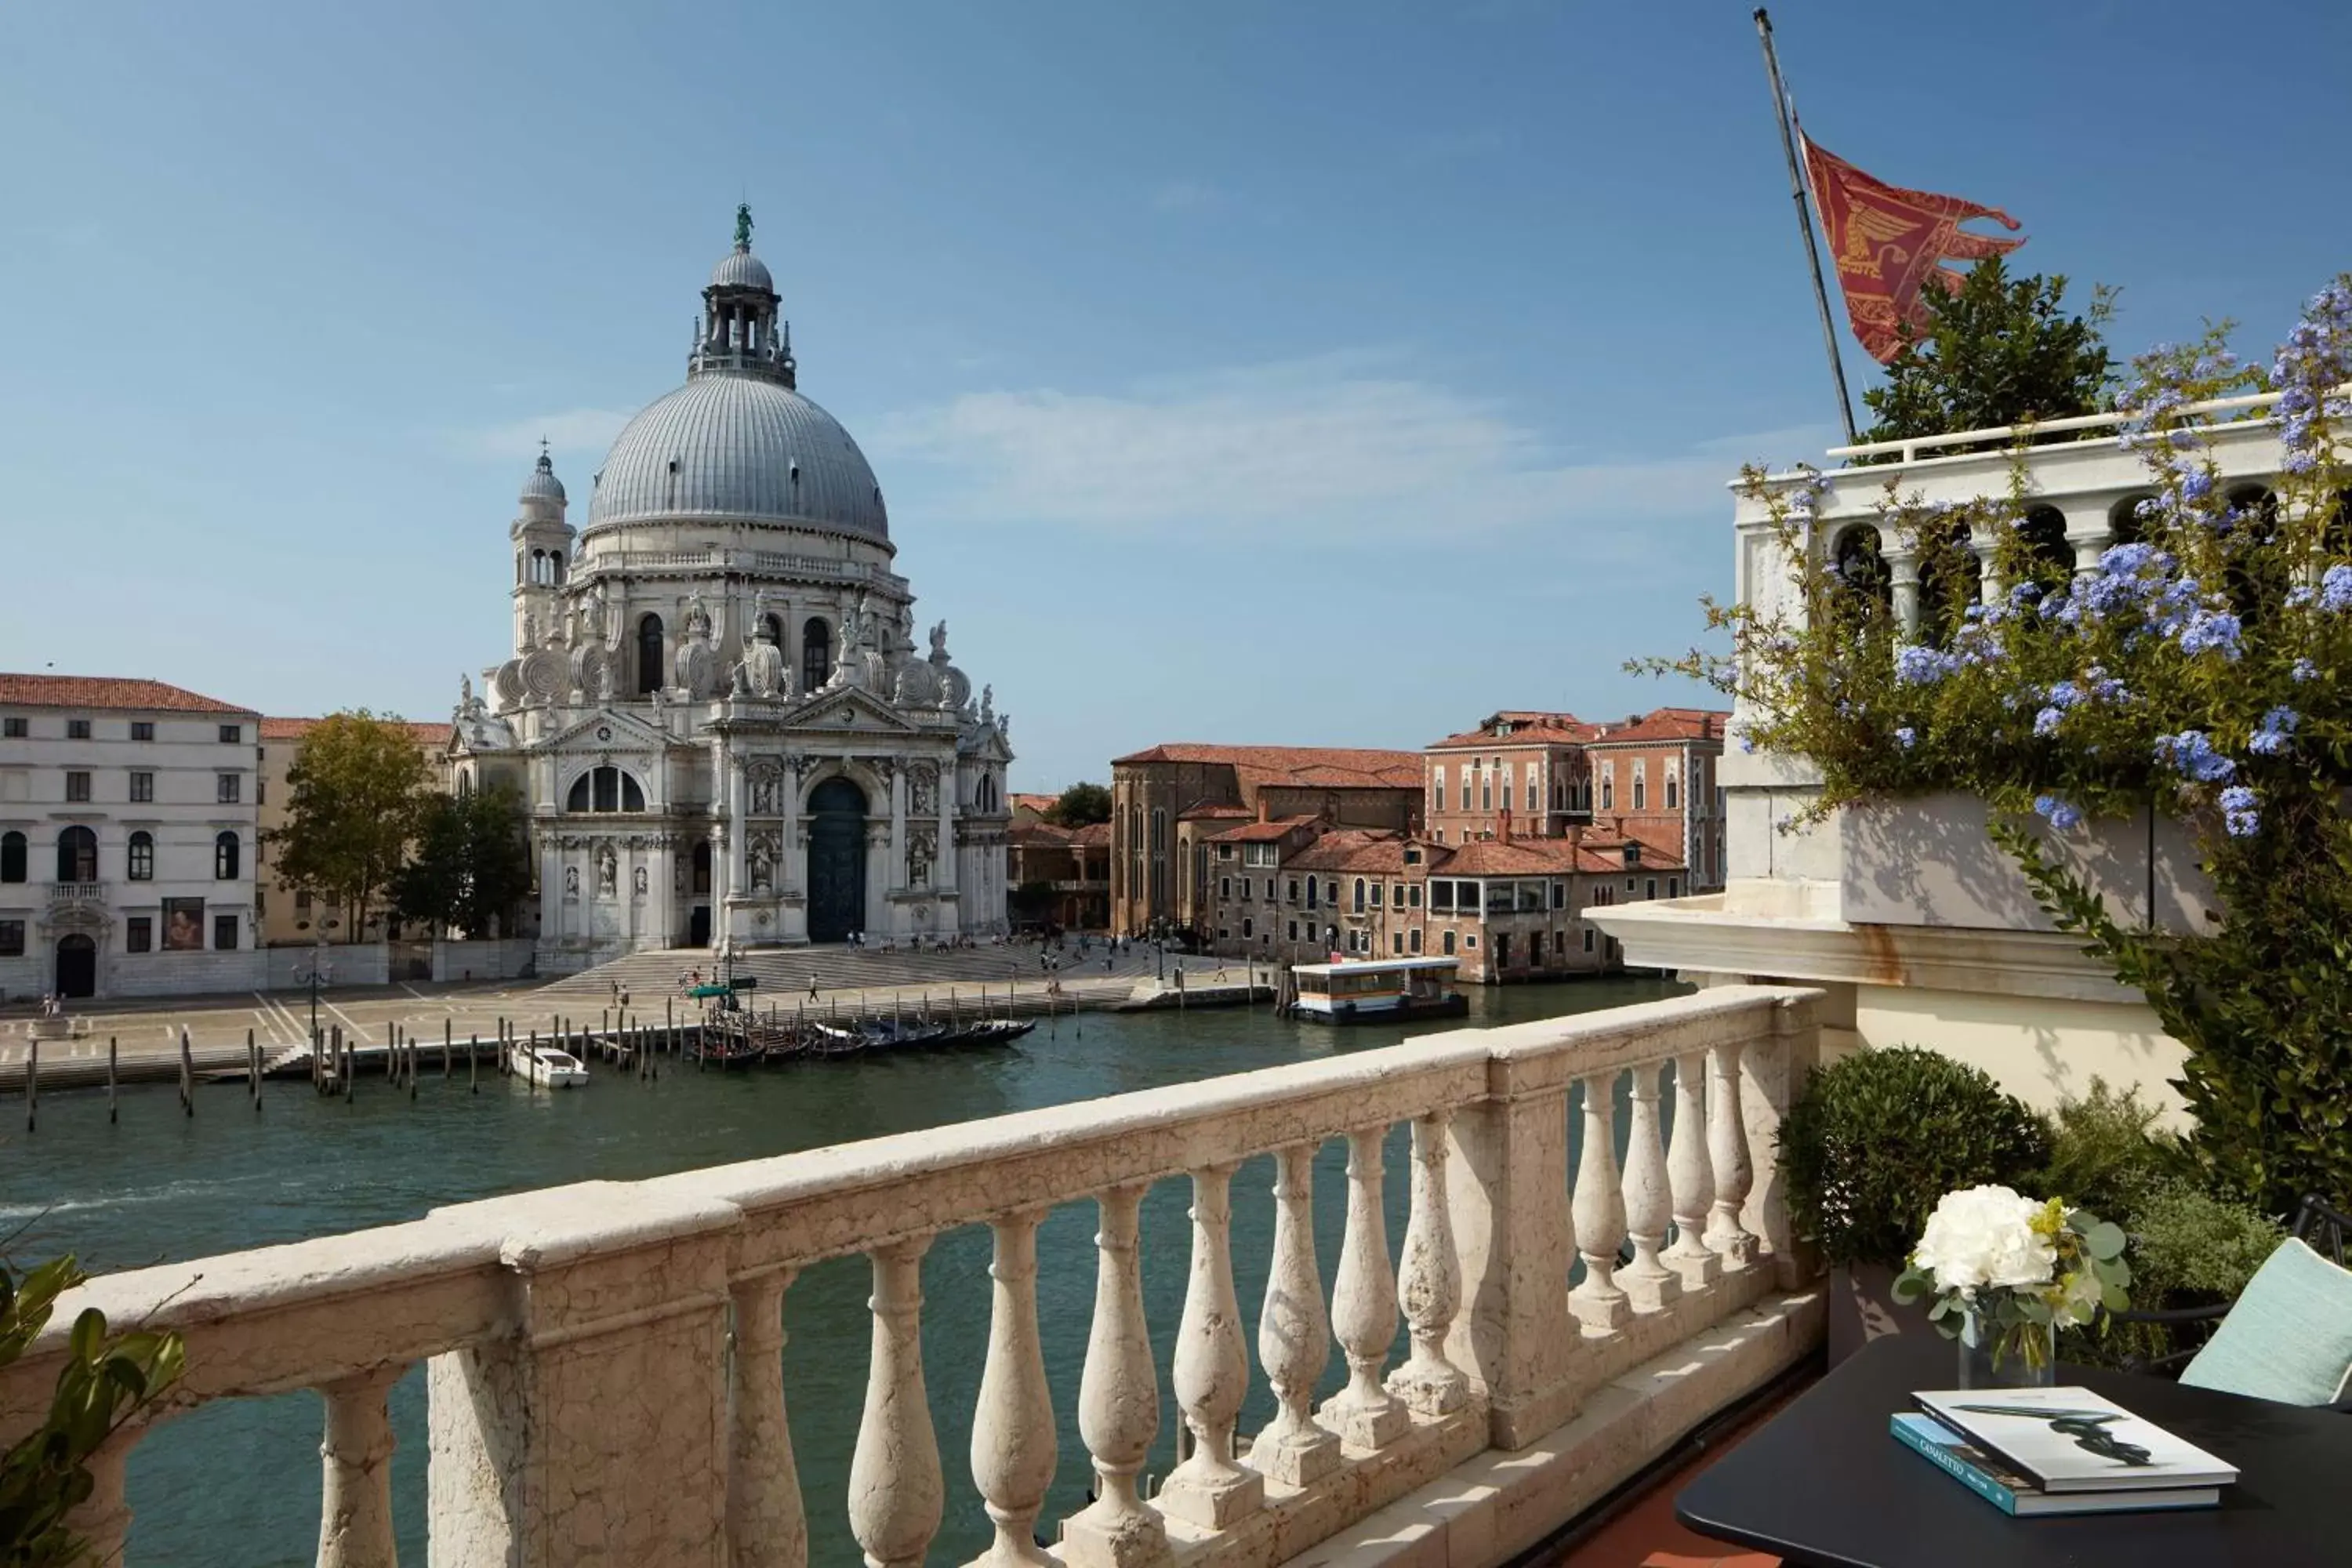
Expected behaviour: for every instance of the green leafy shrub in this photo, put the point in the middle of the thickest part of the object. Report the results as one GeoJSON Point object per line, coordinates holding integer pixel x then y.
{"type": "Point", "coordinates": [2189, 1245]}
{"type": "Point", "coordinates": [1877, 1139]}
{"type": "Point", "coordinates": [106, 1378]}
{"type": "Point", "coordinates": [2106, 1153]}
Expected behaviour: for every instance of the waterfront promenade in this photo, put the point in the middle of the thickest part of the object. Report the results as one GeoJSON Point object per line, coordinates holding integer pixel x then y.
{"type": "Point", "coordinates": [145, 1032]}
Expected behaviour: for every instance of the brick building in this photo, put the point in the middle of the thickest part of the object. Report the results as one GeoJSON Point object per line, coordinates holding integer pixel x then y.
{"type": "Point", "coordinates": [1169, 801]}
{"type": "Point", "coordinates": [1056, 873]}
{"type": "Point", "coordinates": [287, 914]}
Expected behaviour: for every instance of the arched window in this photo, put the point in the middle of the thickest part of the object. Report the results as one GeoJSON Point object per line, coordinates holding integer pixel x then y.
{"type": "Point", "coordinates": [2044, 533]}
{"type": "Point", "coordinates": [12, 857]}
{"type": "Point", "coordinates": [519, 577]}
{"type": "Point", "coordinates": [2253, 588]}
{"type": "Point", "coordinates": [1951, 578]}
{"type": "Point", "coordinates": [1359, 895]}
{"type": "Point", "coordinates": [775, 624]}
{"type": "Point", "coordinates": [224, 858]}
{"type": "Point", "coordinates": [1609, 787]}
{"type": "Point", "coordinates": [1640, 786]}
{"type": "Point", "coordinates": [140, 863]}
{"type": "Point", "coordinates": [555, 566]}
{"type": "Point", "coordinates": [77, 856]}
{"type": "Point", "coordinates": [1673, 790]}
{"type": "Point", "coordinates": [649, 654]}
{"type": "Point", "coordinates": [816, 654]}
{"type": "Point", "coordinates": [1863, 584]}
{"type": "Point", "coordinates": [605, 789]}
{"type": "Point", "coordinates": [1438, 792]}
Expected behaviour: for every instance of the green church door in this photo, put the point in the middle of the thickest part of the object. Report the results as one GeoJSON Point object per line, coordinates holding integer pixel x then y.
{"type": "Point", "coordinates": [836, 862]}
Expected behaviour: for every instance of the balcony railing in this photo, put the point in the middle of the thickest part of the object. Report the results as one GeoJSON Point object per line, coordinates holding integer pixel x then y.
{"type": "Point", "coordinates": [605, 1376]}
{"type": "Point", "coordinates": [76, 892]}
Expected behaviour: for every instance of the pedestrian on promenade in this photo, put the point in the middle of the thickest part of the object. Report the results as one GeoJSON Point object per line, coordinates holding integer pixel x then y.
{"type": "Point", "coordinates": [811, 987]}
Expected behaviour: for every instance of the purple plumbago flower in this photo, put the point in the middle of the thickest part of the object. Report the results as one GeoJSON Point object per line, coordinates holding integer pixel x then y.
{"type": "Point", "coordinates": [2336, 588]}
{"type": "Point", "coordinates": [2046, 722]}
{"type": "Point", "coordinates": [2305, 670]}
{"type": "Point", "coordinates": [1906, 737]}
{"type": "Point", "coordinates": [2061, 815]}
{"type": "Point", "coordinates": [2299, 595]}
{"type": "Point", "coordinates": [2275, 731]}
{"type": "Point", "coordinates": [2193, 756]}
{"type": "Point", "coordinates": [2241, 812]}
{"type": "Point", "coordinates": [2210, 631]}
{"type": "Point", "coordinates": [1916, 665]}
{"type": "Point", "coordinates": [2025, 592]}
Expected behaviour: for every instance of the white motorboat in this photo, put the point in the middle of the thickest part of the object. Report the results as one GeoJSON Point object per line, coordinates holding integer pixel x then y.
{"type": "Point", "coordinates": [545, 1067]}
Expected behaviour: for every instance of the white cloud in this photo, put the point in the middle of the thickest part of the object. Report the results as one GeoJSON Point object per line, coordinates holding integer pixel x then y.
{"type": "Point", "coordinates": [589, 430]}
{"type": "Point", "coordinates": [1339, 446]}
{"type": "Point", "coordinates": [1185, 195]}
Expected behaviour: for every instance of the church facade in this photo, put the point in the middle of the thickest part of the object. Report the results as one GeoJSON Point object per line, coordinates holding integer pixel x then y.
{"type": "Point", "coordinates": [717, 708]}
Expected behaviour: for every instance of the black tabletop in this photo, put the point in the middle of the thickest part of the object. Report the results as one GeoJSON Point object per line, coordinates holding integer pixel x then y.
{"type": "Point", "coordinates": [1825, 1485]}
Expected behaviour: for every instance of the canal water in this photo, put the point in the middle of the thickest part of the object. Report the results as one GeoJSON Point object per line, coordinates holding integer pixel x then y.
{"type": "Point", "coordinates": [236, 1485]}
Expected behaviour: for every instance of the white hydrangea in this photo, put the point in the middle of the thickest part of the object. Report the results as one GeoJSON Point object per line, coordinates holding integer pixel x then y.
{"type": "Point", "coordinates": [1982, 1236]}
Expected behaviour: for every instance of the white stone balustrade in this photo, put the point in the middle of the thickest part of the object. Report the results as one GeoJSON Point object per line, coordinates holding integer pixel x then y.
{"type": "Point", "coordinates": [604, 1360]}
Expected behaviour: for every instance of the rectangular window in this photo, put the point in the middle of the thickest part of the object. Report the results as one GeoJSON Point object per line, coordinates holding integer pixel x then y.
{"type": "Point", "coordinates": [1396, 943]}
{"type": "Point", "coordinates": [1499, 898]}
{"type": "Point", "coordinates": [142, 729]}
{"type": "Point", "coordinates": [1532, 798]}
{"type": "Point", "coordinates": [1650, 887]}
{"type": "Point", "coordinates": [1441, 895]}
{"type": "Point", "coordinates": [12, 932]}
{"type": "Point", "coordinates": [1416, 939]}
{"type": "Point", "coordinates": [1224, 887]}
{"type": "Point", "coordinates": [1560, 944]}
{"type": "Point", "coordinates": [1294, 930]}
{"type": "Point", "coordinates": [77, 786]}
{"type": "Point", "coordinates": [1673, 886]}
{"type": "Point", "coordinates": [142, 788]}
{"type": "Point", "coordinates": [224, 933]}
{"type": "Point", "coordinates": [1588, 939]}
{"type": "Point", "coordinates": [260, 905]}
{"type": "Point", "coordinates": [1292, 896]}
{"type": "Point", "coordinates": [1485, 795]}
{"type": "Point", "coordinates": [1376, 894]}
{"type": "Point", "coordinates": [1413, 895]}
{"type": "Point", "coordinates": [1466, 792]}
{"type": "Point", "coordinates": [232, 734]}
{"type": "Point", "coordinates": [230, 788]}
{"type": "Point", "coordinates": [77, 729]}
{"type": "Point", "coordinates": [139, 934]}
{"type": "Point", "coordinates": [15, 729]}
{"type": "Point", "coordinates": [1560, 895]}
{"type": "Point", "coordinates": [1331, 891]}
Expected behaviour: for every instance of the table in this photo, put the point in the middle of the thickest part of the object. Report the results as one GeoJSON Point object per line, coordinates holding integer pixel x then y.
{"type": "Point", "coordinates": [1824, 1485]}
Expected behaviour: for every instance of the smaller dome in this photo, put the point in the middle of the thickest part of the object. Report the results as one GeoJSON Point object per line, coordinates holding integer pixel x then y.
{"type": "Point", "coordinates": [544, 484]}
{"type": "Point", "coordinates": [738, 268]}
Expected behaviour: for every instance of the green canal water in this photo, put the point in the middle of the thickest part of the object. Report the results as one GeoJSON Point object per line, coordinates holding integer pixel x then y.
{"type": "Point", "coordinates": [236, 1485]}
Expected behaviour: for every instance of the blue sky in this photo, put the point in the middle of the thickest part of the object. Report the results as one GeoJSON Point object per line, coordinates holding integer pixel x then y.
{"type": "Point", "coordinates": [1316, 373]}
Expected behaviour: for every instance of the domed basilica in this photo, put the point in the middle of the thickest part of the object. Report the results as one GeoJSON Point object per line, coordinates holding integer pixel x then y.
{"type": "Point", "coordinates": [717, 709]}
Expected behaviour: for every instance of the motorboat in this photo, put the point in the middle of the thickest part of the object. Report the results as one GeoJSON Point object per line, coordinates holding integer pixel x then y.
{"type": "Point", "coordinates": [1377, 990]}
{"type": "Point", "coordinates": [547, 1067]}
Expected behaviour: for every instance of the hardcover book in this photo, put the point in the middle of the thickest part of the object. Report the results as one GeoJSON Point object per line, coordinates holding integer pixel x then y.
{"type": "Point", "coordinates": [1985, 1475]}
{"type": "Point", "coordinates": [2073, 1440]}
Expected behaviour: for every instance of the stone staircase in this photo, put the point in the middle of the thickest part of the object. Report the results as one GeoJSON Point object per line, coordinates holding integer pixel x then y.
{"type": "Point", "coordinates": [788, 970]}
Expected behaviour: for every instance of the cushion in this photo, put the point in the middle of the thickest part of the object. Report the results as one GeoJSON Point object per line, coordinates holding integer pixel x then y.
{"type": "Point", "coordinates": [2289, 1338]}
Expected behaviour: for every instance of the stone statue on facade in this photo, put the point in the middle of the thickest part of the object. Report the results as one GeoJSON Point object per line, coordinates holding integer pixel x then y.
{"type": "Point", "coordinates": [988, 704]}
{"type": "Point", "coordinates": [697, 665]}
{"type": "Point", "coordinates": [637, 881]}
{"type": "Point", "coordinates": [608, 868]}
{"type": "Point", "coordinates": [763, 672]}
{"type": "Point", "coordinates": [764, 863]}
{"type": "Point", "coordinates": [764, 779]}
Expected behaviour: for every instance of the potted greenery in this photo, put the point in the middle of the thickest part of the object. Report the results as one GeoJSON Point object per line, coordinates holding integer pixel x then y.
{"type": "Point", "coordinates": [1874, 1142]}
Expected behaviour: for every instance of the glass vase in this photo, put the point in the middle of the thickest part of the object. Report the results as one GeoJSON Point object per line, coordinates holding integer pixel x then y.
{"type": "Point", "coordinates": [2006, 1355]}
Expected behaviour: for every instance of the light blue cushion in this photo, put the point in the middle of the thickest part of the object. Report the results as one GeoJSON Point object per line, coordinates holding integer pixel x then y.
{"type": "Point", "coordinates": [2289, 1338]}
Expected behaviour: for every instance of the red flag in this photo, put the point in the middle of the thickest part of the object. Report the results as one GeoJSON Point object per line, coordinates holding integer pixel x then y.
{"type": "Point", "coordinates": [1889, 242]}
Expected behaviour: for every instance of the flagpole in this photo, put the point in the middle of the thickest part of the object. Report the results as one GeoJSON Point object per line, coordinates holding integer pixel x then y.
{"type": "Point", "coordinates": [1805, 223]}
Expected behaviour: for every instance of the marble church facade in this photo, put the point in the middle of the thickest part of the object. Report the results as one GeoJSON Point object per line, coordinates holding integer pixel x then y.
{"type": "Point", "coordinates": [716, 709]}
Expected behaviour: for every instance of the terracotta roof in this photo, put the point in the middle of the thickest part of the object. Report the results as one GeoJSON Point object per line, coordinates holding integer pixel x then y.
{"type": "Point", "coordinates": [1039, 833]}
{"type": "Point", "coordinates": [107, 692]}
{"type": "Point", "coordinates": [1094, 835]}
{"type": "Point", "coordinates": [1211, 813]}
{"type": "Point", "coordinates": [1262, 832]}
{"type": "Point", "coordinates": [1352, 849]}
{"type": "Point", "coordinates": [295, 728]}
{"type": "Point", "coordinates": [1531, 734]}
{"type": "Point", "coordinates": [1320, 767]}
{"type": "Point", "coordinates": [1040, 804]}
{"type": "Point", "coordinates": [1549, 857]}
{"type": "Point", "coordinates": [1666, 725]}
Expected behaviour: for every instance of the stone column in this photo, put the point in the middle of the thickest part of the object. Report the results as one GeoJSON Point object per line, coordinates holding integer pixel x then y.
{"type": "Point", "coordinates": [792, 862]}
{"type": "Point", "coordinates": [2089, 531]}
{"type": "Point", "coordinates": [1506, 1190]}
{"type": "Point", "coordinates": [898, 878]}
{"type": "Point", "coordinates": [1903, 576]}
{"type": "Point", "coordinates": [739, 836]}
{"type": "Point", "coordinates": [596, 1432]}
{"type": "Point", "coordinates": [949, 874]}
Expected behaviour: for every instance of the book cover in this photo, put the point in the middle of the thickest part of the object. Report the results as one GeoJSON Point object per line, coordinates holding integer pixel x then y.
{"type": "Point", "coordinates": [2071, 1440]}
{"type": "Point", "coordinates": [1985, 1475]}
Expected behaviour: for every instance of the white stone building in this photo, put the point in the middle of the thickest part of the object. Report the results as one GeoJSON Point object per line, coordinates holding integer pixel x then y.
{"type": "Point", "coordinates": [1917, 927]}
{"type": "Point", "coordinates": [716, 707]}
{"type": "Point", "coordinates": [127, 839]}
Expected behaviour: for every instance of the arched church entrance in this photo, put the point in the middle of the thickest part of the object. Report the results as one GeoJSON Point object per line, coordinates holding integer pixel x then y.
{"type": "Point", "coordinates": [836, 863]}
{"type": "Point", "coordinates": [77, 965]}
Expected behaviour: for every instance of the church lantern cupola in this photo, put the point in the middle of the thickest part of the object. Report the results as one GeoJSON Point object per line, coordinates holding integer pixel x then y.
{"type": "Point", "coordinates": [741, 329]}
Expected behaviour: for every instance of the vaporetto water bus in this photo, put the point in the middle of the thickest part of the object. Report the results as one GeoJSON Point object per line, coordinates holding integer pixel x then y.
{"type": "Point", "coordinates": [1377, 990]}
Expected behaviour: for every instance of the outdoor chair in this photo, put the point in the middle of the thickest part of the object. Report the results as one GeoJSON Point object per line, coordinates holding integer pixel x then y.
{"type": "Point", "coordinates": [2291, 1337]}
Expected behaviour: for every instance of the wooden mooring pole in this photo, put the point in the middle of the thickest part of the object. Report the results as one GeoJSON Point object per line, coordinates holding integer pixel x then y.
{"type": "Point", "coordinates": [187, 1074]}
{"type": "Point", "coordinates": [33, 1084]}
{"type": "Point", "coordinates": [473, 1063]}
{"type": "Point", "coordinates": [253, 1069]}
{"type": "Point", "coordinates": [448, 1028]}
{"type": "Point", "coordinates": [110, 1064]}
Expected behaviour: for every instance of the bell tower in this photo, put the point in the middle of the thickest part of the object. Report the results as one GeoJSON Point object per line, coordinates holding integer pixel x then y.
{"type": "Point", "coordinates": [543, 552]}
{"type": "Point", "coordinates": [741, 329]}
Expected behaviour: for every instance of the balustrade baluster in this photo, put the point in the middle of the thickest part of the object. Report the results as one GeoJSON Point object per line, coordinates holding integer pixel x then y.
{"type": "Point", "coordinates": [101, 1522]}
{"type": "Point", "coordinates": [1364, 1307]}
{"type": "Point", "coordinates": [1119, 1403]}
{"type": "Point", "coordinates": [355, 1514]}
{"type": "Point", "coordinates": [1600, 1210]}
{"type": "Point", "coordinates": [896, 1492]}
{"type": "Point", "coordinates": [1212, 1370]}
{"type": "Point", "coordinates": [1012, 1446]}
{"type": "Point", "coordinates": [1693, 1183]}
{"type": "Point", "coordinates": [1430, 1280]}
{"type": "Point", "coordinates": [1648, 1282]}
{"type": "Point", "coordinates": [1293, 1341]}
{"type": "Point", "coordinates": [766, 1525]}
{"type": "Point", "coordinates": [1727, 1142]}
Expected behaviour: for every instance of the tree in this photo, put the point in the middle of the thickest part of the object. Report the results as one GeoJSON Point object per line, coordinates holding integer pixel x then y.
{"type": "Point", "coordinates": [471, 865]}
{"type": "Point", "coordinates": [355, 796]}
{"type": "Point", "coordinates": [1080, 804]}
{"type": "Point", "coordinates": [1998, 350]}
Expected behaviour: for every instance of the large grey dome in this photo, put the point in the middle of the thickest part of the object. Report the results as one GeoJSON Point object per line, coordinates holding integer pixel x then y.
{"type": "Point", "coordinates": [738, 445]}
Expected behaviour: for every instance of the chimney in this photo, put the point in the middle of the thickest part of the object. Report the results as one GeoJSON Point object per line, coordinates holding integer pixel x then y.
{"type": "Point", "coordinates": [1264, 808]}
{"type": "Point", "coordinates": [1503, 825]}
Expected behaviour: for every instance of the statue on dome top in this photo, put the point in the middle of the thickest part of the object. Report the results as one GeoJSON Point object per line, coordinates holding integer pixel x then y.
{"type": "Point", "coordinates": [743, 226]}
